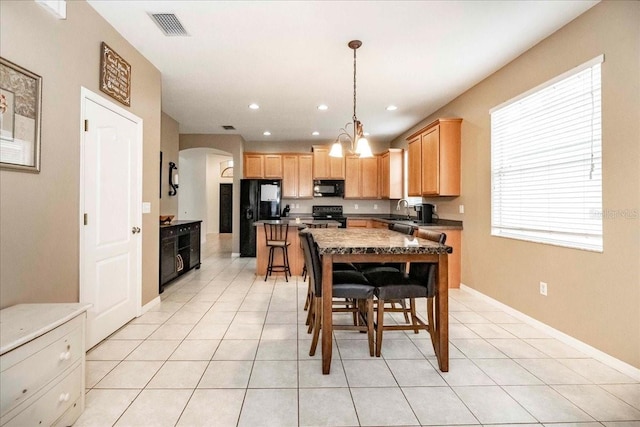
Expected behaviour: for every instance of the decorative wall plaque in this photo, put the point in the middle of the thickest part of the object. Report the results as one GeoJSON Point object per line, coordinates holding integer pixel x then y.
{"type": "Point", "coordinates": [115, 75]}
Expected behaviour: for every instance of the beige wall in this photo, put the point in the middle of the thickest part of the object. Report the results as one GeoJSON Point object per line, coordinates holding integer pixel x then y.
{"type": "Point", "coordinates": [169, 145]}
{"type": "Point", "coordinates": [234, 145]}
{"type": "Point", "coordinates": [594, 297]}
{"type": "Point", "coordinates": [39, 213]}
{"type": "Point", "coordinates": [302, 146]}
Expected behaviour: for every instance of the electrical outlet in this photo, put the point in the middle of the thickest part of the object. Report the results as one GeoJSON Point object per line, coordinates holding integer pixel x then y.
{"type": "Point", "coordinates": [461, 209]}
{"type": "Point", "coordinates": [355, 206]}
{"type": "Point", "coordinates": [375, 207]}
{"type": "Point", "coordinates": [435, 208]}
{"type": "Point", "coordinates": [543, 288]}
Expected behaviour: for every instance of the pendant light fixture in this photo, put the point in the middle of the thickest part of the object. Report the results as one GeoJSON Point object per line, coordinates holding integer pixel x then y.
{"type": "Point", "coordinates": [359, 144]}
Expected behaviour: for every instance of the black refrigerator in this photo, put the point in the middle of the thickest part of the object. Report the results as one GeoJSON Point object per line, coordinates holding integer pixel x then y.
{"type": "Point", "coordinates": [259, 200]}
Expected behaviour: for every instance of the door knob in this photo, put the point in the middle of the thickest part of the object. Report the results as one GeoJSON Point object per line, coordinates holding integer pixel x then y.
{"type": "Point", "coordinates": [135, 230]}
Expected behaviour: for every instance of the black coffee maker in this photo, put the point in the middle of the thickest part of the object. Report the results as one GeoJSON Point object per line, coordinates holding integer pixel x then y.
{"type": "Point", "coordinates": [425, 213]}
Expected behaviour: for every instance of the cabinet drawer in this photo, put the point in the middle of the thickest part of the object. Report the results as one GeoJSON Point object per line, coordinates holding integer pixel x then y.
{"type": "Point", "coordinates": [30, 367]}
{"type": "Point", "coordinates": [53, 403]}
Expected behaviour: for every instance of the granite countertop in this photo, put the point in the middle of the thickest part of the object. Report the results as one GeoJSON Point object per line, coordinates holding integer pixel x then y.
{"type": "Point", "coordinates": [304, 222]}
{"type": "Point", "coordinates": [372, 240]}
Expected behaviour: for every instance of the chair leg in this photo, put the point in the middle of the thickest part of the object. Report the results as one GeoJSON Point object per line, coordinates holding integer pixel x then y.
{"type": "Point", "coordinates": [379, 327]}
{"type": "Point", "coordinates": [403, 304]}
{"type": "Point", "coordinates": [307, 302]}
{"type": "Point", "coordinates": [369, 305]}
{"type": "Point", "coordinates": [284, 261]}
{"type": "Point", "coordinates": [431, 321]}
{"type": "Point", "coordinates": [285, 257]}
{"type": "Point", "coordinates": [412, 308]}
{"type": "Point", "coordinates": [317, 324]}
{"type": "Point", "coordinates": [269, 263]}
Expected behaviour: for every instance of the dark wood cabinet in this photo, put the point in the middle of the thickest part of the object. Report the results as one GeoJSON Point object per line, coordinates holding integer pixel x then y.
{"type": "Point", "coordinates": [179, 249]}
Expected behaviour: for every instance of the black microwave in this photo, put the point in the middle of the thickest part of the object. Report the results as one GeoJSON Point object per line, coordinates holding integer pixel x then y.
{"type": "Point", "coordinates": [328, 188]}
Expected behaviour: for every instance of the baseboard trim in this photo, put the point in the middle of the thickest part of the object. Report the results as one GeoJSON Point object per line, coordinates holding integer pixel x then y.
{"type": "Point", "coordinates": [148, 306]}
{"type": "Point", "coordinates": [590, 351]}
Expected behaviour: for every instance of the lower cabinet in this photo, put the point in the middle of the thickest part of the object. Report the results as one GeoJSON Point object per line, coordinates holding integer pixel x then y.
{"type": "Point", "coordinates": [179, 249]}
{"type": "Point", "coordinates": [43, 363]}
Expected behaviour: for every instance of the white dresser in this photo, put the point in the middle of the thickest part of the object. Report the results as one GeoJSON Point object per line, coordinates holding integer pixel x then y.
{"type": "Point", "coordinates": [42, 363]}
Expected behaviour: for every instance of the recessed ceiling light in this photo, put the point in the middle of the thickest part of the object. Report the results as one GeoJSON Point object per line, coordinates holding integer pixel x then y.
{"type": "Point", "coordinates": [254, 106]}
{"type": "Point", "coordinates": [266, 133]}
{"type": "Point", "coordinates": [315, 133]}
{"type": "Point", "coordinates": [392, 108]}
{"type": "Point", "coordinates": [322, 107]}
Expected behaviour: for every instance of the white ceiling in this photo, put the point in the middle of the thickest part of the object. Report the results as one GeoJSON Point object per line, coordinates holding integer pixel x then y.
{"type": "Point", "coordinates": [291, 56]}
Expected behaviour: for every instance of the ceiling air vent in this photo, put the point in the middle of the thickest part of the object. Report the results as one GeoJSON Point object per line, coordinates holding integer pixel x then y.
{"type": "Point", "coordinates": [228, 127]}
{"type": "Point", "coordinates": [169, 24]}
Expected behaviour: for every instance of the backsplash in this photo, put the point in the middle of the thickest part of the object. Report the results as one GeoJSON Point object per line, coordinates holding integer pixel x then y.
{"type": "Point", "coordinates": [303, 206]}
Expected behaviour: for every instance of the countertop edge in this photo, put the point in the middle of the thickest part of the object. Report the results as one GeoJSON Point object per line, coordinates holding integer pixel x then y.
{"type": "Point", "coordinates": [25, 312]}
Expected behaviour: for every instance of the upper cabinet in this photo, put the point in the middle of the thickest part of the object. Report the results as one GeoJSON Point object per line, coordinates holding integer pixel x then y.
{"type": "Point", "coordinates": [325, 166]}
{"type": "Point", "coordinates": [297, 180]}
{"type": "Point", "coordinates": [391, 174]}
{"type": "Point", "coordinates": [434, 159]}
{"type": "Point", "coordinates": [361, 178]}
{"type": "Point", "coordinates": [259, 165]}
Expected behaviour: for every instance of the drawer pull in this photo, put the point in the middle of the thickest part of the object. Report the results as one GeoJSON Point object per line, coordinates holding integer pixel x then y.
{"type": "Point", "coordinates": [65, 356]}
{"type": "Point", "coordinates": [64, 397]}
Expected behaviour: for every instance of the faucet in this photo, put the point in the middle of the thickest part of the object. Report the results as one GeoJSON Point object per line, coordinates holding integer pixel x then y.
{"type": "Point", "coordinates": [406, 205]}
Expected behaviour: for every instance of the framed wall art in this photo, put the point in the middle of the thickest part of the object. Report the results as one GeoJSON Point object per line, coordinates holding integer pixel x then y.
{"type": "Point", "coordinates": [20, 117]}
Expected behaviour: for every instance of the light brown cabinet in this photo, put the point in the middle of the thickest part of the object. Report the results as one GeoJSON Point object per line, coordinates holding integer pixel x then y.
{"type": "Point", "coordinates": [297, 180]}
{"type": "Point", "coordinates": [257, 165]}
{"type": "Point", "coordinates": [358, 223]}
{"type": "Point", "coordinates": [361, 178]}
{"type": "Point", "coordinates": [325, 166]}
{"type": "Point", "coordinates": [434, 159]}
{"type": "Point", "coordinates": [391, 174]}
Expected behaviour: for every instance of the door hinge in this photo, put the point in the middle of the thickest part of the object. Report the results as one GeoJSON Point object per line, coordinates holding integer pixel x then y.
{"type": "Point", "coordinates": [86, 125]}
{"type": "Point", "coordinates": [86, 219]}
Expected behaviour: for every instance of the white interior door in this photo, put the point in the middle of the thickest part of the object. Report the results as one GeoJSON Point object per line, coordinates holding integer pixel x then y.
{"type": "Point", "coordinates": [111, 197]}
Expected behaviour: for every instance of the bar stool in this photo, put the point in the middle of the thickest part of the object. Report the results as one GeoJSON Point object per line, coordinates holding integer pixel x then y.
{"type": "Point", "coordinates": [276, 238]}
{"type": "Point", "coordinates": [304, 269]}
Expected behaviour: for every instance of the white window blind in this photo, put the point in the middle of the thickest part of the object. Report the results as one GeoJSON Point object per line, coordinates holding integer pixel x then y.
{"type": "Point", "coordinates": [546, 162]}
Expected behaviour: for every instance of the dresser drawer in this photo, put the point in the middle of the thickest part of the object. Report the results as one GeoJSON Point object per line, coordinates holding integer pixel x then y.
{"type": "Point", "coordinates": [55, 402]}
{"type": "Point", "coordinates": [30, 367]}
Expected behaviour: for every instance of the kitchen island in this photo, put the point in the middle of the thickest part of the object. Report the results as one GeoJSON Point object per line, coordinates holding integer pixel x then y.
{"type": "Point", "coordinates": [296, 257]}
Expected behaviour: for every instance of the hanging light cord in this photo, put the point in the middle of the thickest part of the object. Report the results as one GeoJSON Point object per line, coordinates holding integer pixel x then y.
{"type": "Point", "coordinates": [355, 118]}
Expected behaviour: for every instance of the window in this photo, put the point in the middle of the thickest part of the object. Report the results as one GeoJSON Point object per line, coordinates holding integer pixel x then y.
{"type": "Point", "coordinates": [546, 162]}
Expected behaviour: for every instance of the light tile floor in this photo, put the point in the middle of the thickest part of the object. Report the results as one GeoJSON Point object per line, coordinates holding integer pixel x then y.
{"type": "Point", "coordinates": [225, 348]}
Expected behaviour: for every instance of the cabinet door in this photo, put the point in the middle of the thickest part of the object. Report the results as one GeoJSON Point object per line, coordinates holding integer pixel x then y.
{"type": "Point", "coordinates": [414, 167]}
{"type": "Point", "coordinates": [194, 245]}
{"type": "Point", "coordinates": [273, 166]}
{"type": "Point", "coordinates": [320, 162]}
{"type": "Point", "coordinates": [336, 167]}
{"type": "Point", "coordinates": [384, 175]}
{"type": "Point", "coordinates": [369, 178]}
{"type": "Point", "coordinates": [352, 178]}
{"type": "Point", "coordinates": [305, 176]}
{"type": "Point", "coordinates": [431, 161]}
{"type": "Point", "coordinates": [253, 166]}
{"type": "Point", "coordinates": [357, 223]}
{"type": "Point", "coordinates": [289, 176]}
{"type": "Point", "coordinates": [168, 268]}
